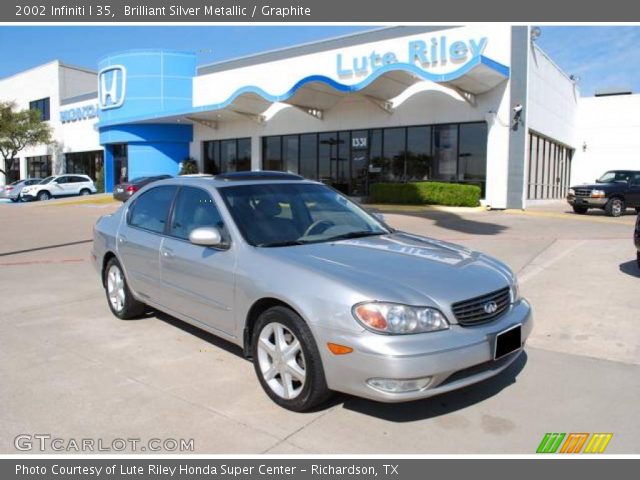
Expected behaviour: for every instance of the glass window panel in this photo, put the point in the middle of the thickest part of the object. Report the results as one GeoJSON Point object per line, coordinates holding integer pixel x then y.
{"type": "Point", "coordinates": [445, 151]}
{"type": "Point", "coordinates": [211, 160]}
{"type": "Point", "coordinates": [394, 149]}
{"type": "Point", "coordinates": [309, 156]}
{"type": "Point", "coordinates": [151, 209]}
{"type": "Point", "coordinates": [243, 161]}
{"type": "Point", "coordinates": [472, 158]}
{"type": "Point", "coordinates": [419, 157]}
{"type": "Point", "coordinates": [272, 159]}
{"type": "Point", "coordinates": [290, 149]}
{"type": "Point", "coordinates": [194, 209]}
{"type": "Point", "coordinates": [228, 156]}
{"type": "Point", "coordinates": [328, 143]}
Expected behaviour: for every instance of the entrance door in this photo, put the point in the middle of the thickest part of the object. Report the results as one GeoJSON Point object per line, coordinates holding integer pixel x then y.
{"type": "Point", "coordinates": [360, 163]}
{"type": "Point", "coordinates": [120, 163]}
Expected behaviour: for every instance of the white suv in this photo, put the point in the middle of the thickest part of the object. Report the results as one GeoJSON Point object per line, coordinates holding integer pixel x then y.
{"type": "Point", "coordinates": [59, 186]}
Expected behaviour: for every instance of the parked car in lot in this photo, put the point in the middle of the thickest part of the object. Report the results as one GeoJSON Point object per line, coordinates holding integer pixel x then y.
{"type": "Point", "coordinates": [123, 191]}
{"type": "Point", "coordinates": [59, 186]}
{"type": "Point", "coordinates": [636, 238]}
{"type": "Point", "coordinates": [320, 294]}
{"type": "Point", "coordinates": [12, 191]}
{"type": "Point", "coordinates": [613, 192]}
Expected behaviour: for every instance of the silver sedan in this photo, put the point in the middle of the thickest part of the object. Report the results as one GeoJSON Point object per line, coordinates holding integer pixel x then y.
{"type": "Point", "coordinates": [320, 294]}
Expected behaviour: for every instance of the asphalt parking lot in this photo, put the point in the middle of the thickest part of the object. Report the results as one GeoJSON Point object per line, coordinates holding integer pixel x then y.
{"type": "Point", "coordinates": [70, 369]}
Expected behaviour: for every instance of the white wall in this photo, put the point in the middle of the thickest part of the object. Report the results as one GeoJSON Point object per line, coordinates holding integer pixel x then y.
{"type": "Point", "coordinates": [610, 127]}
{"type": "Point", "coordinates": [33, 84]}
{"type": "Point", "coordinates": [51, 80]}
{"type": "Point", "coordinates": [552, 99]}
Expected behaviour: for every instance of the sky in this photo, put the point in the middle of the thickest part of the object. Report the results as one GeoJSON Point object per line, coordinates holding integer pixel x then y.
{"type": "Point", "coordinates": [599, 56]}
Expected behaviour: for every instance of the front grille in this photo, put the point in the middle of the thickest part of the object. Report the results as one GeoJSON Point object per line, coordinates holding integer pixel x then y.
{"type": "Point", "coordinates": [472, 311]}
{"type": "Point", "coordinates": [583, 192]}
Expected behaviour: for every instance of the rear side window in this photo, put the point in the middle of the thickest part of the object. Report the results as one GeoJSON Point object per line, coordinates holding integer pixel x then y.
{"type": "Point", "coordinates": [194, 209]}
{"type": "Point", "coordinates": [61, 180]}
{"type": "Point", "coordinates": [151, 209]}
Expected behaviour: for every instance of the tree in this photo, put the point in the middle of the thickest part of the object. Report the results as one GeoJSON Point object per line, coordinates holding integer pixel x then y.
{"type": "Point", "coordinates": [19, 129]}
{"type": "Point", "coordinates": [189, 167]}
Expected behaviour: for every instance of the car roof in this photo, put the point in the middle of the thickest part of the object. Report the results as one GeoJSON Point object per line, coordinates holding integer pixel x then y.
{"type": "Point", "coordinates": [237, 178]}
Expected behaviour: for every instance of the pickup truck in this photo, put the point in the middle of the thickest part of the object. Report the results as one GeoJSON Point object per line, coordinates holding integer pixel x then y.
{"type": "Point", "coordinates": [613, 192]}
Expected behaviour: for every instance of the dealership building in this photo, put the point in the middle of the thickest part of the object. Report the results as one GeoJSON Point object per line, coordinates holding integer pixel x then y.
{"type": "Point", "coordinates": [479, 104]}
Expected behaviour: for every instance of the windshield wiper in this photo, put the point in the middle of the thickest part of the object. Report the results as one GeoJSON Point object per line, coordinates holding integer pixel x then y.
{"type": "Point", "coordinates": [286, 243]}
{"type": "Point", "coordinates": [356, 234]}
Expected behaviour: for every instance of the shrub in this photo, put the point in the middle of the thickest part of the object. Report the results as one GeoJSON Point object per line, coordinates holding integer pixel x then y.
{"type": "Point", "coordinates": [99, 183]}
{"type": "Point", "coordinates": [188, 167]}
{"type": "Point", "coordinates": [426, 193]}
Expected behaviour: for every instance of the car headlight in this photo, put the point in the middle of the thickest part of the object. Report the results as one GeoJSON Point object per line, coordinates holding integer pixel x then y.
{"type": "Point", "coordinates": [572, 191]}
{"type": "Point", "coordinates": [515, 290]}
{"type": "Point", "coordinates": [597, 193]}
{"type": "Point", "coordinates": [394, 318]}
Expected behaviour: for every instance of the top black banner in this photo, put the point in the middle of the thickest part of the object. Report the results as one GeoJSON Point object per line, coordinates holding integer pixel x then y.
{"type": "Point", "coordinates": [296, 11]}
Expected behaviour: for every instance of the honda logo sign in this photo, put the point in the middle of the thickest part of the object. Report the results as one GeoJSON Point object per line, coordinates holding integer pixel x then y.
{"type": "Point", "coordinates": [112, 83]}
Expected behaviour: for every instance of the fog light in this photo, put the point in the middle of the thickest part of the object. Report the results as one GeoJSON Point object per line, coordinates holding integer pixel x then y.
{"type": "Point", "coordinates": [391, 385]}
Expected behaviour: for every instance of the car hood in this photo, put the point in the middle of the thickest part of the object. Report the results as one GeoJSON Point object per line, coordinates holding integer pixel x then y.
{"type": "Point", "coordinates": [402, 267]}
{"type": "Point", "coordinates": [598, 186]}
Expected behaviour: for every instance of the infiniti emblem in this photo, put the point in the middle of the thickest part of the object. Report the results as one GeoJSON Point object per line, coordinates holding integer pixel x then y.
{"type": "Point", "coordinates": [490, 307]}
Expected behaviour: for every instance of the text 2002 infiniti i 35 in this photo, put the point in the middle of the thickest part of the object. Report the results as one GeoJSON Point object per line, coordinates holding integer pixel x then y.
{"type": "Point", "coordinates": [320, 294]}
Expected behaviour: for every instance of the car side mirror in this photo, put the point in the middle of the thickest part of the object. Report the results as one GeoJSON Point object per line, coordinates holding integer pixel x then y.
{"type": "Point", "coordinates": [206, 237]}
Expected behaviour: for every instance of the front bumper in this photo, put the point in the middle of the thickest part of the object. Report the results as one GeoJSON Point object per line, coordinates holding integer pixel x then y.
{"type": "Point", "coordinates": [591, 202]}
{"type": "Point", "coordinates": [453, 358]}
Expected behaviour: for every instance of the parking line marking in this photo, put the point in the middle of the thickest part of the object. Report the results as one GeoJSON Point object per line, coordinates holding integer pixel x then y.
{"type": "Point", "coordinates": [35, 249]}
{"type": "Point", "coordinates": [43, 262]}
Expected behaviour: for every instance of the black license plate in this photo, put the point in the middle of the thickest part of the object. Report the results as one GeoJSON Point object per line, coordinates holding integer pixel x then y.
{"type": "Point", "coordinates": [508, 341]}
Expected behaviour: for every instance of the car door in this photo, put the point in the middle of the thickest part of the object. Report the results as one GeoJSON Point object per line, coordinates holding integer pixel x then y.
{"type": "Point", "coordinates": [633, 194]}
{"type": "Point", "coordinates": [139, 239]}
{"type": "Point", "coordinates": [199, 281]}
{"type": "Point", "coordinates": [60, 186]}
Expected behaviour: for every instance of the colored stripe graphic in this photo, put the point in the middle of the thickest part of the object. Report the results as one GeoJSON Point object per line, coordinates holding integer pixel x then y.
{"type": "Point", "coordinates": [598, 442]}
{"type": "Point", "coordinates": [574, 443]}
{"type": "Point", "coordinates": [550, 442]}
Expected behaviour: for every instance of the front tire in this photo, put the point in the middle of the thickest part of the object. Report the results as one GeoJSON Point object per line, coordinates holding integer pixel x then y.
{"type": "Point", "coordinates": [615, 207]}
{"type": "Point", "coordinates": [580, 210]}
{"type": "Point", "coordinates": [119, 298]}
{"type": "Point", "coordinates": [287, 361]}
{"type": "Point", "coordinates": [43, 195]}
{"type": "Point", "coordinates": [638, 258]}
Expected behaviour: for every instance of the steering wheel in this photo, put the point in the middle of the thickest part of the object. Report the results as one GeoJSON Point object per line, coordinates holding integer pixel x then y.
{"type": "Point", "coordinates": [314, 226]}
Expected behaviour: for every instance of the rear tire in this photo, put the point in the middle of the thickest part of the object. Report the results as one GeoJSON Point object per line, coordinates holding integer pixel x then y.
{"type": "Point", "coordinates": [580, 210]}
{"type": "Point", "coordinates": [15, 200]}
{"type": "Point", "coordinates": [615, 207]}
{"type": "Point", "coordinates": [638, 258]}
{"type": "Point", "coordinates": [119, 298]}
{"type": "Point", "coordinates": [638, 210]}
{"type": "Point", "coordinates": [85, 191]}
{"type": "Point", "coordinates": [287, 361]}
{"type": "Point", "coordinates": [43, 195]}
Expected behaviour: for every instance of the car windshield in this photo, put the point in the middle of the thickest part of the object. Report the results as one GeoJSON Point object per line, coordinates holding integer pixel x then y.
{"type": "Point", "coordinates": [613, 176]}
{"type": "Point", "coordinates": [46, 180]}
{"type": "Point", "coordinates": [283, 214]}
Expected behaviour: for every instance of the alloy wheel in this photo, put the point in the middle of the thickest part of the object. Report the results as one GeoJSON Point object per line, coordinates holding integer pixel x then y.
{"type": "Point", "coordinates": [115, 288]}
{"type": "Point", "coordinates": [281, 360]}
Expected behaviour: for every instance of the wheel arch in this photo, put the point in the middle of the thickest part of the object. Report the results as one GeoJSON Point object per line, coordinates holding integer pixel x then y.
{"type": "Point", "coordinates": [105, 260]}
{"type": "Point", "coordinates": [259, 306]}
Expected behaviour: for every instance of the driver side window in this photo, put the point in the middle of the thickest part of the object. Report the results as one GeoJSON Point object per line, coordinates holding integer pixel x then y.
{"type": "Point", "coordinates": [194, 208]}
